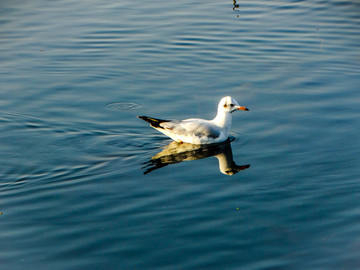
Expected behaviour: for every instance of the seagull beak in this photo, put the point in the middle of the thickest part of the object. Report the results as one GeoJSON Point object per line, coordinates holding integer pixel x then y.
{"type": "Point", "coordinates": [242, 108]}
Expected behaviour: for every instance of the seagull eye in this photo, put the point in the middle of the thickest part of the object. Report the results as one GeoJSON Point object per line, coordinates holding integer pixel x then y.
{"type": "Point", "coordinates": [232, 105]}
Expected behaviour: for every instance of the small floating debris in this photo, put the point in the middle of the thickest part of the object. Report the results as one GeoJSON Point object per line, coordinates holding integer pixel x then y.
{"type": "Point", "coordinates": [235, 5]}
{"type": "Point", "coordinates": [123, 106]}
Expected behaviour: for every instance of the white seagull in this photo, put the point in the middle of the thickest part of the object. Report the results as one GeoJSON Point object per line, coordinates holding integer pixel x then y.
{"type": "Point", "coordinates": [199, 131]}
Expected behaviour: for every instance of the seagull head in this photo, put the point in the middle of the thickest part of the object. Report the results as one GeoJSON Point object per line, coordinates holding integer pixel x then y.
{"type": "Point", "coordinates": [228, 104]}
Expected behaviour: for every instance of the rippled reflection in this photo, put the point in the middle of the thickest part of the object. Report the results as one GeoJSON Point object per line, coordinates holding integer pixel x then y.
{"type": "Point", "coordinates": [177, 152]}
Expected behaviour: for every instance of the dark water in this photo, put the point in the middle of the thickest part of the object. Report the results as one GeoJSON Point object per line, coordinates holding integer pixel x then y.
{"type": "Point", "coordinates": [75, 74]}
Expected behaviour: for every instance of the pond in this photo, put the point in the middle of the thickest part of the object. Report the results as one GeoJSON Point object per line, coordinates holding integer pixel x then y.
{"type": "Point", "coordinates": [85, 184]}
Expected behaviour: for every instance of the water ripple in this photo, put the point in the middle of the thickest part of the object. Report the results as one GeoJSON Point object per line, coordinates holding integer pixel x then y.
{"type": "Point", "coordinates": [123, 106]}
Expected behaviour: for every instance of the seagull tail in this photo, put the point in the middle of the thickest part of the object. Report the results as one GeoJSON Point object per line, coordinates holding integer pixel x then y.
{"type": "Point", "coordinates": [154, 122]}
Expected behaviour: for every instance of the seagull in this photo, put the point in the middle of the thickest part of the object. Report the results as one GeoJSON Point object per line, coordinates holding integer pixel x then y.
{"type": "Point", "coordinates": [199, 131]}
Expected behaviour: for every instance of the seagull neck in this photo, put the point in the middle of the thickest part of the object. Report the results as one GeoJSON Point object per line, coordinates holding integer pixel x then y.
{"type": "Point", "coordinates": [225, 162]}
{"type": "Point", "coordinates": [222, 119]}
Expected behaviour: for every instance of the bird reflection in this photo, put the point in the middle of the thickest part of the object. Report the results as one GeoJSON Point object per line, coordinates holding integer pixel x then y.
{"type": "Point", "coordinates": [177, 152]}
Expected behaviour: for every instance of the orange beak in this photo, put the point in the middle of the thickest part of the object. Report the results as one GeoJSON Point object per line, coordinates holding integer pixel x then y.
{"type": "Point", "coordinates": [242, 108]}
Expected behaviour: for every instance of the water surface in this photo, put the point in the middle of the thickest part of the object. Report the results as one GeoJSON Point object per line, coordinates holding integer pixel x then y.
{"type": "Point", "coordinates": [74, 76]}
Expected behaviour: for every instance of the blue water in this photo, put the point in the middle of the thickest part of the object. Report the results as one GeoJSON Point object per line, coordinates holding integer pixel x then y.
{"type": "Point", "coordinates": [84, 184]}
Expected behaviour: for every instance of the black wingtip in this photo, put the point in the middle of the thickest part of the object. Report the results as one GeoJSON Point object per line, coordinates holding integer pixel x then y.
{"type": "Point", "coordinates": [154, 122]}
{"type": "Point", "coordinates": [145, 118]}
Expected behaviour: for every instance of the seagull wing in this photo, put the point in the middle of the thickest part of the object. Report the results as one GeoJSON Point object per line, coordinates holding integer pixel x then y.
{"type": "Point", "coordinates": [191, 127]}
